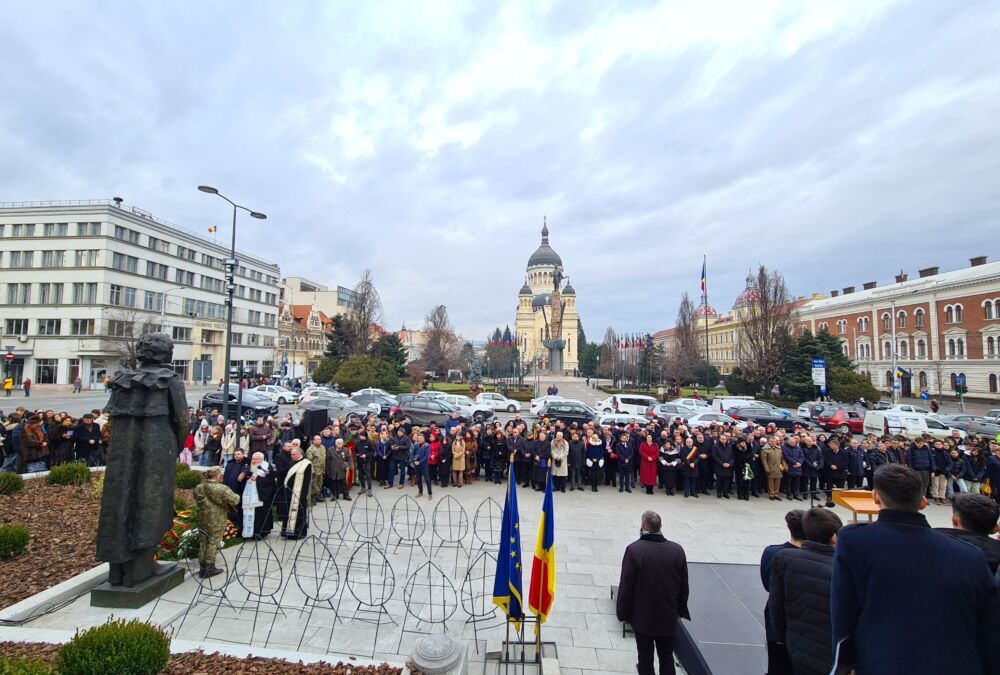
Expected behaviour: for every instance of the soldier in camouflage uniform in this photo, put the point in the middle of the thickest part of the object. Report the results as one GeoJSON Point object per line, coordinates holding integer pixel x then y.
{"type": "Point", "coordinates": [316, 454]}
{"type": "Point", "coordinates": [214, 501]}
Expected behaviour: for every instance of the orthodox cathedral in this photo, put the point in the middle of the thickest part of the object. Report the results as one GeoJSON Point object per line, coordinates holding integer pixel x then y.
{"type": "Point", "coordinates": [546, 311]}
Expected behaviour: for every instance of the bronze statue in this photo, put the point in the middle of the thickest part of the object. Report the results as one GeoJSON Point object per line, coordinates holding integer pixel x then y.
{"type": "Point", "coordinates": [149, 412]}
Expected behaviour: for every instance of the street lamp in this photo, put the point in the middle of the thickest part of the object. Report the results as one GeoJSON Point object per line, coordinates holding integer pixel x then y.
{"type": "Point", "coordinates": [230, 264]}
{"type": "Point", "coordinates": [163, 305]}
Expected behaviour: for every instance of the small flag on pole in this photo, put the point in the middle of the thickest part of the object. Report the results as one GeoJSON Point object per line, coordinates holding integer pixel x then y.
{"type": "Point", "coordinates": [213, 229]}
{"type": "Point", "coordinates": [704, 262]}
{"type": "Point", "coordinates": [542, 591]}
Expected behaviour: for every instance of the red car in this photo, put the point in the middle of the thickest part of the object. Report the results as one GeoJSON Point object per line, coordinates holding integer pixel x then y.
{"type": "Point", "coordinates": [844, 420]}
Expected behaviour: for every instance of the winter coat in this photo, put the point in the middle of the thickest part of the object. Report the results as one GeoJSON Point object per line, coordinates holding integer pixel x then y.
{"type": "Point", "coordinates": [799, 606]}
{"type": "Point", "coordinates": [855, 461]}
{"type": "Point", "coordinates": [958, 467]}
{"type": "Point", "coordinates": [722, 454]}
{"type": "Point", "coordinates": [560, 455]}
{"type": "Point", "coordinates": [793, 455]}
{"type": "Point", "coordinates": [836, 463]}
{"type": "Point", "coordinates": [400, 446]}
{"type": "Point", "coordinates": [260, 438]}
{"type": "Point", "coordinates": [458, 455]}
{"type": "Point", "coordinates": [595, 451]}
{"type": "Point", "coordinates": [648, 453]}
{"type": "Point", "coordinates": [941, 462]}
{"type": "Point", "coordinates": [653, 587]}
{"type": "Point", "coordinates": [577, 452]}
{"type": "Point", "coordinates": [975, 469]}
{"type": "Point", "coordinates": [920, 458]}
{"type": "Point", "coordinates": [771, 457]}
{"type": "Point", "coordinates": [877, 459]}
{"type": "Point", "coordinates": [337, 463]}
{"type": "Point", "coordinates": [687, 470]}
{"type": "Point", "coordinates": [814, 460]}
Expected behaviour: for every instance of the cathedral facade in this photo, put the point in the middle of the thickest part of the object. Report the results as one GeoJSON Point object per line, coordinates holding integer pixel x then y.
{"type": "Point", "coordinates": [538, 317]}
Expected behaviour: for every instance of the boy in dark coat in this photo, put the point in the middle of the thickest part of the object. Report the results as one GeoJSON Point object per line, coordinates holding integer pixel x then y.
{"type": "Point", "coordinates": [890, 573]}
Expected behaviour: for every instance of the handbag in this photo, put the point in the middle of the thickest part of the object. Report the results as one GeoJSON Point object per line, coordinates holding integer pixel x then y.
{"type": "Point", "coordinates": [986, 488]}
{"type": "Point", "coordinates": [558, 462]}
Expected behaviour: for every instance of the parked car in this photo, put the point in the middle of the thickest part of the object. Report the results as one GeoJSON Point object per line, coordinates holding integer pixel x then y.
{"type": "Point", "coordinates": [478, 412]}
{"type": "Point", "coordinates": [763, 417]}
{"type": "Point", "coordinates": [337, 407]}
{"type": "Point", "coordinates": [253, 404]}
{"type": "Point", "coordinates": [628, 404]}
{"type": "Point", "coordinates": [805, 410]}
{"type": "Point", "coordinates": [614, 419]}
{"type": "Point", "coordinates": [909, 408]}
{"type": "Point", "coordinates": [696, 403]}
{"type": "Point", "coordinates": [424, 410]}
{"type": "Point", "coordinates": [845, 420]}
{"type": "Point", "coordinates": [708, 418]}
{"type": "Point", "coordinates": [668, 411]}
{"type": "Point", "coordinates": [372, 390]}
{"type": "Point", "coordinates": [540, 402]}
{"type": "Point", "coordinates": [567, 412]}
{"type": "Point", "coordinates": [908, 424]}
{"type": "Point", "coordinates": [385, 404]}
{"type": "Point", "coordinates": [279, 395]}
{"type": "Point", "coordinates": [830, 409]}
{"type": "Point", "coordinates": [993, 414]}
{"type": "Point", "coordinates": [971, 424]}
{"type": "Point", "coordinates": [313, 393]}
{"type": "Point", "coordinates": [723, 403]}
{"type": "Point", "coordinates": [498, 401]}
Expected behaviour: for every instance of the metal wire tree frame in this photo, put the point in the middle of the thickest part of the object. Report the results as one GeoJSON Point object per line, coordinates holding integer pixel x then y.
{"type": "Point", "coordinates": [329, 520]}
{"type": "Point", "coordinates": [408, 523]}
{"type": "Point", "coordinates": [367, 522]}
{"type": "Point", "coordinates": [370, 580]}
{"type": "Point", "coordinates": [317, 576]}
{"type": "Point", "coordinates": [477, 594]}
{"type": "Point", "coordinates": [486, 526]}
{"type": "Point", "coordinates": [449, 526]}
{"type": "Point", "coordinates": [263, 578]}
{"type": "Point", "coordinates": [212, 588]}
{"type": "Point", "coordinates": [429, 597]}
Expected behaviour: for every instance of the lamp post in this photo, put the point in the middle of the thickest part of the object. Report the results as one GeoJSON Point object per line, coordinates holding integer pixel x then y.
{"type": "Point", "coordinates": [231, 263]}
{"type": "Point", "coordinates": [163, 305]}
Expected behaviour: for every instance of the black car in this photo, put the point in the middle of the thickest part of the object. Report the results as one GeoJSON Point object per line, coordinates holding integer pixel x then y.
{"type": "Point", "coordinates": [567, 412]}
{"type": "Point", "coordinates": [424, 410]}
{"type": "Point", "coordinates": [385, 403]}
{"type": "Point", "coordinates": [764, 416]}
{"type": "Point", "coordinates": [338, 407]}
{"type": "Point", "coordinates": [253, 405]}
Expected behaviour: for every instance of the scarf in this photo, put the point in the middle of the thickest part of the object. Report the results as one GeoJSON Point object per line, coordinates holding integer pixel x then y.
{"type": "Point", "coordinates": [251, 500]}
{"type": "Point", "coordinates": [296, 475]}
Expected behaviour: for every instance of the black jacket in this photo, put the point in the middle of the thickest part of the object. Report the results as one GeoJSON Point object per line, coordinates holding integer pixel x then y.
{"type": "Point", "coordinates": [799, 606]}
{"type": "Point", "coordinates": [989, 546]}
{"type": "Point", "coordinates": [653, 589]}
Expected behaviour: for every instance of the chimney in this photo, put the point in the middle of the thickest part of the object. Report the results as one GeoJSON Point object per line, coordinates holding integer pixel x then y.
{"type": "Point", "coordinates": [848, 290]}
{"type": "Point", "coordinates": [869, 285]}
{"type": "Point", "coordinates": [901, 277]}
{"type": "Point", "coordinates": [977, 261]}
{"type": "Point", "coordinates": [834, 294]}
{"type": "Point", "coordinates": [928, 272]}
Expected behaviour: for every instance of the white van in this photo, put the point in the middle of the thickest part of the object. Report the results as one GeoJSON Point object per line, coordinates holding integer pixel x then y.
{"type": "Point", "coordinates": [721, 404]}
{"type": "Point", "coordinates": [626, 404]}
{"type": "Point", "coordinates": [910, 425]}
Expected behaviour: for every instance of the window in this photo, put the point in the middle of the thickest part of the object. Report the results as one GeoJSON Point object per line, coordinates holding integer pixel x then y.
{"type": "Point", "coordinates": [86, 258]}
{"type": "Point", "coordinates": [904, 350]}
{"type": "Point", "coordinates": [886, 350]}
{"type": "Point", "coordinates": [183, 277]}
{"type": "Point", "coordinates": [953, 314]}
{"type": "Point", "coordinates": [270, 320]}
{"type": "Point", "coordinates": [81, 327]}
{"type": "Point", "coordinates": [991, 346]}
{"type": "Point", "coordinates": [115, 297]}
{"type": "Point", "coordinates": [960, 343]}
{"type": "Point", "coordinates": [49, 326]}
{"type": "Point", "coordinates": [77, 293]}
{"type": "Point", "coordinates": [45, 371]}
{"type": "Point", "coordinates": [951, 347]}
{"type": "Point", "coordinates": [901, 319]}
{"type": "Point", "coordinates": [842, 327]}
{"type": "Point", "coordinates": [53, 258]}
{"type": "Point", "coordinates": [22, 259]}
{"type": "Point", "coordinates": [91, 293]}
{"type": "Point", "coordinates": [181, 334]}
{"type": "Point", "coordinates": [50, 294]}
{"type": "Point", "coordinates": [253, 318]}
{"type": "Point", "coordinates": [886, 321]}
{"type": "Point", "coordinates": [958, 314]}
{"type": "Point", "coordinates": [921, 349]}
{"type": "Point", "coordinates": [918, 318]}
{"type": "Point", "coordinates": [152, 302]}
{"type": "Point", "coordinates": [18, 294]}
{"type": "Point", "coordinates": [181, 368]}
{"type": "Point", "coordinates": [125, 234]}
{"type": "Point", "coordinates": [129, 297]}
{"type": "Point", "coordinates": [237, 338]}
{"type": "Point", "coordinates": [54, 229]}
{"type": "Point", "coordinates": [863, 324]}
{"type": "Point", "coordinates": [158, 244]}
{"type": "Point", "coordinates": [156, 270]}
{"type": "Point", "coordinates": [186, 253]}
{"type": "Point", "coordinates": [824, 326]}
{"type": "Point", "coordinates": [16, 327]}
{"type": "Point", "coordinates": [268, 340]}
{"type": "Point", "coordinates": [22, 230]}
{"type": "Point", "coordinates": [88, 229]}
{"type": "Point", "coordinates": [988, 309]}
{"type": "Point", "coordinates": [993, 383]}
{"type": "Point", "coordinates": [125, 263]}
{"type": "Point", "coordinates": [118, 328]}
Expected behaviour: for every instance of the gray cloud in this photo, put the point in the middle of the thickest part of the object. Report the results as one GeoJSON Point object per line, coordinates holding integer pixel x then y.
{"type": "Point", "coordinates": [835, 143]}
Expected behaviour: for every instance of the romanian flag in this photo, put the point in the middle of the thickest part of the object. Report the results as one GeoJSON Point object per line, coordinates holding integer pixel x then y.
{"type": "Point", "coordinates": [507, 583]}
{"type": "Point", "coordinates": [542, 591]}
{"type": "Point", "coordinates": [903, 372]}
{"type": "Point", "coordinates": [213, 229]}
{"type": "Point", "coordinates": [703, 278]}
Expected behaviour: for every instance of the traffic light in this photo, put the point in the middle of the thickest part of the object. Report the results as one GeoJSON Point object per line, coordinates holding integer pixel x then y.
{"type": "Point", "coordinates": [961, 389]}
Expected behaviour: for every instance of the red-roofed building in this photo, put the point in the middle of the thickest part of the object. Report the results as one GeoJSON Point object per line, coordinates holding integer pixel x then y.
{"type": "Point", "coordinates": [302, 333]}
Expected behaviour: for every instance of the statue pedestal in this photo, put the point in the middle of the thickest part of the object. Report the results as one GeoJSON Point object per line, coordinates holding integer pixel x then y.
{"type": "Point", "coordinates": [125, 597]}
{"type": "Point", "coordinates": [440, 655]}
{"type": "Point", "coordinates": [555, 348]}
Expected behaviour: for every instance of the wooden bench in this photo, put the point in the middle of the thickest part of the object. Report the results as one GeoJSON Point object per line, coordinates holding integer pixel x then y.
{"type": "Point", "coordinates": [856, 501]}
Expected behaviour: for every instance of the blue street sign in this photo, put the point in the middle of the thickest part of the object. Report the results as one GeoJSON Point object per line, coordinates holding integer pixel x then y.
{"type": "Point", "coordinates": [822, 390]}
{"type": "Point", "coordinates": [924, 395]}
{"type": "Point", "coordinates": [895, 385]}
{"type": "Point", "coordinates": [819, 363]}
{"type": "Point", "coordinates": [960, 380]}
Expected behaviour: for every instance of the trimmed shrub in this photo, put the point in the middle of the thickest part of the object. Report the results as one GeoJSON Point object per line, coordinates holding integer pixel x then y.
{"type": "Point", "coordinates": [13, 541]}
{"type": "Point", "coordinates": [121, 647]}
{"type": "Point", "coordinates": [188, 480]}
{"type": "Point", "coordinates": [98, 486]}
{"type": "Point", "coordinates": [22, 665]}
{"type": "Point", "coordinates": [180, 503]}
{"type": "Point", "coordinates": [74, 473]}
{"type": "Point", "coordinates": [10, 483]}
{"type": "Point", "coordinates": [181, 467]}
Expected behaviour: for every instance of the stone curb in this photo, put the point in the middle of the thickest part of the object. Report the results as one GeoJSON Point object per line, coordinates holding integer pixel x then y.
{"type": "Point", "coordinates": [57, 595]}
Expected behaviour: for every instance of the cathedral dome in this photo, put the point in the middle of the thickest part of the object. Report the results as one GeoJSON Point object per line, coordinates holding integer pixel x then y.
{"type": "Point", "coordinates": [749, 294]}
{"type": "Point", "coordinates": [526, 289]}
{"type": "Point", "coordinates": [541, 300]}
{"type": "Point", "coordinates": [569, 290]}
{"type": "Point", "coordinates": [705, 311]}
{"type": "Point", "coordinates": [544, 255]}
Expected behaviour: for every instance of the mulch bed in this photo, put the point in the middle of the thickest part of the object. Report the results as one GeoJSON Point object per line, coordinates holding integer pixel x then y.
{"type": "Point", "coordinates": [200, 663]}
{"type": "Point", "coordinates": [62, 524]}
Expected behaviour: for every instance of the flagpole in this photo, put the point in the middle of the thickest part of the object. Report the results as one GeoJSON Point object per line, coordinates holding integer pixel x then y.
{"type": "Point", "coordinates": [896, 379]}
{"type": "Point", "coordinates": [704, 297]}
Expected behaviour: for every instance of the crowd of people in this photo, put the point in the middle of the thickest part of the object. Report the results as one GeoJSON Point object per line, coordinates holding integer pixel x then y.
{"type": "Point", "coordinates": [37, 440]}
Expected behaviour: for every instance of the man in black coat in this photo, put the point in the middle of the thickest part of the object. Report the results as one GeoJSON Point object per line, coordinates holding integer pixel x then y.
{"type": "Point", "coordinates": [799, 600]}
{"type": "Point", "coordinates": [234, 477]}
{"type": "Point", "coordinates": [723, 458]}
{"type": "Point", "coordinates": [87, 441]}
{"type": "Point", "coordinates": [974, 518]}
{"type": "Point", "coordinates": [778, 662]}
{"type": "Point", "coordinates": [901, 591]}
{"type": "Point", "coordinates": [653, 594]}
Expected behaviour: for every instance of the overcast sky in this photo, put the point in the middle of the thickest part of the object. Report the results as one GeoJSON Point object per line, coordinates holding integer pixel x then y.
{"type": "Point", "coordinates": [834, 141]}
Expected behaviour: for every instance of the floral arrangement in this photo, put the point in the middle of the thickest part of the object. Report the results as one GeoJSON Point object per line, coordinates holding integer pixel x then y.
{"type": "Point", "coordinates": [180, 542]}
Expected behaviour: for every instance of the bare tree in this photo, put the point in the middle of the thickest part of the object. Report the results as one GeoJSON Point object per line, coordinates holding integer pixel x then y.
{"type": "Point", "coordinates": [605, 367]}
{"type": "Point", "coordinates": [765, 328]}
{"type": "Point", "coordinates": [123, 329]}
{"type": "Point", "coordinates": [682, 360]}
{"type": "Point", "coordinates": [366, 312]}
{"type": "Point", "coordinates": [442, 350]}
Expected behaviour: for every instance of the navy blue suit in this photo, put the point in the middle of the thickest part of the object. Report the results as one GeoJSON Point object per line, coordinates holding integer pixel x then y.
{"type": "Point", "coordinates": [907, 599]}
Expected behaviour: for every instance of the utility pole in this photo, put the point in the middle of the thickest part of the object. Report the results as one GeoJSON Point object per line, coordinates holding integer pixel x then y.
{"type": "Point", "coordinates": [896, 380]}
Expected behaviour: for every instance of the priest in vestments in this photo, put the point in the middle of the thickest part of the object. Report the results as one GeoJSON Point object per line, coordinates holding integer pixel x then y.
{"type": "Point", "coordinates": [234, 477]}
{"type": "Point", "coordinates": [262, 479]}
{"type": "Point", "coordinates": [297, 483]}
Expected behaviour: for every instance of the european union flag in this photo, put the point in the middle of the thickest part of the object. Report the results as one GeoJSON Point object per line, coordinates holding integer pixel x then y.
{"type": "Point", "coordinates": [507, 584]}
{"type": "Point", "coordinates": [902, 372]}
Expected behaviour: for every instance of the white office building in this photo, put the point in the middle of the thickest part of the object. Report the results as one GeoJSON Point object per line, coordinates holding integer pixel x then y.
{"type": "Point", "coordinates": [80, 281]}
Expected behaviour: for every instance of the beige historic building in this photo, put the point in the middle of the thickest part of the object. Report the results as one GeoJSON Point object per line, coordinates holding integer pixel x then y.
{"type": "Point", "coordinates": [302, 331]}
{"type": "Point", "coordinates": [533, 322]}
